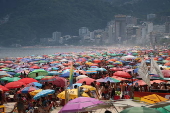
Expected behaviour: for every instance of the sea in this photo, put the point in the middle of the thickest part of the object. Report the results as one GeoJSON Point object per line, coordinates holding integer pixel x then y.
{"type": "Point", "coordinates": [29, 51]}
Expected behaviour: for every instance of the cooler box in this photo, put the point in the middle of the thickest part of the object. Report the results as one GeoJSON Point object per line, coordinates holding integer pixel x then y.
{"type": "Point", "coordinates": [116, 97]}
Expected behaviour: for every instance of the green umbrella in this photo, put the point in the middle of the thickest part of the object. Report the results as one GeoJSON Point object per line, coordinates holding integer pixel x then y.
{"type": "Point", "coordinates": [37, 72]}
{"type": "Point", "coordinates": [13, 79]}
{"type": "Point", "coordinates": [110, 65]}
{"type": "Point", "coordinates": [140, 110]}
{"type": "Point", "coordinates": [39, 77]}
{"type": "Point", "coordinates": [5, 78]}
{"type": "Point", "coordinates": [17, 74]}
{"type": "Point", "coordinates": [165, 109]}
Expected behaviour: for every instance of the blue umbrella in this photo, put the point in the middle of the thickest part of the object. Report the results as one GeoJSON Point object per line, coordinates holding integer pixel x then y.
{"type": "Point", "coordinates": [35, 84]}
{"type": "Point", "coordinates": [43, 93]}
{"type": "Point", "coordinates": [28, 89]}
{"type": "Point", "coordinates": [67, 74]}
{"type": "Point", "coordinates": [135, 70]}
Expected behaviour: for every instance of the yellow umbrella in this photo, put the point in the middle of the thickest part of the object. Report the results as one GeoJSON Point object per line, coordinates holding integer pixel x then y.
{"type": "Point", "coordinates": [152, 99]}
{"type": "Point", "coordinates": [33, 93]}
{"type": "Point", "coordinates": [72, 94]}
{"type": "Point", "coordinates": [87, 88]}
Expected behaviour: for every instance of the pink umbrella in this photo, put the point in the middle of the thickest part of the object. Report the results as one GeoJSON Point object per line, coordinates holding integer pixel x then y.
{"type": "Point", "coordinates": [87, 80]}
{"type": "Point", "coordinates": [122, 74]}
{"type": "Point", "coordinates": [166, 73]}
{"type": "Point", "coordinates": [79, 104]}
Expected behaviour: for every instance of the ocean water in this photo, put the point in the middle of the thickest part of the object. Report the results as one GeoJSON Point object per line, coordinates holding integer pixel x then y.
{"type": "Point", "coordinates": [21, 52]}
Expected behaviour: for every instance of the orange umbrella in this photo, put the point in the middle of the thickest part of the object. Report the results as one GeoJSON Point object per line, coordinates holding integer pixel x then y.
{"type": "Point", "coordinates": [96, 61]}
{"type": "Point", "coordinates": [167, 64]}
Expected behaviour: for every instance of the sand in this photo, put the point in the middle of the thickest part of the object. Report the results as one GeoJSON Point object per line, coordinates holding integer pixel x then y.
{"type": "Point", "coordinates": [119, 105]}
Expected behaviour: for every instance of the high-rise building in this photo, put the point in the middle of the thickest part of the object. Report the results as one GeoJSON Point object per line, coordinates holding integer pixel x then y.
{"type": "Point", "coordinates": [56, 35]}
{"type": "Point", "coordinates": [120, 28]}
{"type": "Point", "coordinates": [131, 20]}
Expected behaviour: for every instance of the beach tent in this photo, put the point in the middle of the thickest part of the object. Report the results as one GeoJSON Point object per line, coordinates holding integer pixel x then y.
{"type": "Point", "coordinates": [152, 99]}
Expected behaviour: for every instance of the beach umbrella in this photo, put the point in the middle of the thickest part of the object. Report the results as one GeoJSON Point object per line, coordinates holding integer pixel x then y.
{"type": "Point", "coordinates": [35, 67]}
{"type": "Point", "coordinates": [4, 74]}
{"type": "Point", "coordinates": [33, 93]}
{"type": "Point", "coordinates": [59, 82]}
{"type": "Point", "coordinates": [91, 71]}
{"type": "Point", "coordinates": [87, 80]}
{"type": "Point", "coordinates": [152, 99]}
{"type": "Point", "coordinates": [81, 77]}
{"type": "Point", "coordinates": [67, 74]}
{"type": "Point", "coordinates": [86, 88]}
{"type": "Point", "coordinates": [48, 79]}
{"type": "Point", "coordinates": [12, 79]}
{"type": "Point", "coordinates": [5, 78]}
{"type": "Point", "coordinates": [37, 72]}
{"type": "Point", "coordinates": [166, 73]}
{"type": "Point", "coordinates": [116, 69]}
{"type": "Point", "coordinates": [140, 110]}
{"type": "Point", "coordinates": [165, 109]}
{"type": "Point", "coordinates": [119, 78]}
{"type": "Point", "coordinates": [122, 74]}
{"type": "Point", "coordinates": [43, 93]}
{"type": "Point", "coordinates": [28, 89]}
{"type": "Point", "coordinates": [13, 85]}
{"type": "Point", "coordinates": [3, 88]}
{"type": "Point", "coordinates": [106, 79]}
{"type": "Point", "coordinates": [79, 104]}
{"type": "Point", "coordinates": [167, 64]}
{"type": "Point", "coordinates": [35, 84]}
{"type": "Point", "coordinates": [72, 94]}
{"type": "Point", "coordinates": [51, 73]}
{"type": "Point", "coordinates": [39, 77]}
{"type": "Point", "coordinates": [27, 80]}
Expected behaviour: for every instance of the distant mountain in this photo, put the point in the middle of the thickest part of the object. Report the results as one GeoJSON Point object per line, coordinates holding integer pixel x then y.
{"type": "Point", "coordinates": [30, 20]}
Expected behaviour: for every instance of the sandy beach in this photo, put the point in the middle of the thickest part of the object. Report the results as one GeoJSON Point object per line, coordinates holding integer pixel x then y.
{"type": "Point", "coordinates": [119, 105]}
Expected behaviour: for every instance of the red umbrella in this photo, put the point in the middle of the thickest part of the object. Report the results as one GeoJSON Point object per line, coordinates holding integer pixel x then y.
{"type": "Point", "coordinates": [3, 88]}
{"type": "Point", "coordinates": [87, 80]}
{"type": "Point", "coordinates": [13, 85]}
{"type": "Point", "coordinates": [96, 61]}
{"type": "Point", "coordinates": [59, 82]}
{"type": "Point", "coordinates": [35, 67]}
{"type": "Point", "coordinates": [166, 73]}
{"type": "Point", "coordinates": [27, 80]}
{"type": "Point", "coordinates": [122, 74]}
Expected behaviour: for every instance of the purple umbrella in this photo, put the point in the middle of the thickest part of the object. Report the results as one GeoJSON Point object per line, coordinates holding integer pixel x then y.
{"type": "Point", "coordinates": [79, 104]}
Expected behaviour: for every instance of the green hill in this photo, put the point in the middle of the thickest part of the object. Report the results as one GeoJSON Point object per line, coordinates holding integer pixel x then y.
{"type": "Point", "coordinates": [30, 20]}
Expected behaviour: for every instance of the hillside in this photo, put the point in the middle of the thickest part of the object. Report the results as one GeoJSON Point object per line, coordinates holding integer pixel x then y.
{"type": "Point", "coordinates": [30, 20]}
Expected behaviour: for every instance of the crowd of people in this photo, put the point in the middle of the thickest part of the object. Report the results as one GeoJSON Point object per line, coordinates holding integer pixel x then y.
{"type": "Point", "coordinates": [104, 90]}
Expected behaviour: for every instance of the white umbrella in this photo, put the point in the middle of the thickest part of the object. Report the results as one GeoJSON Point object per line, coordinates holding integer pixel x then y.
{"type": "Point", "coordinates": [128, 57]}
{"type": "Point", "coordinates": [81, 77]}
